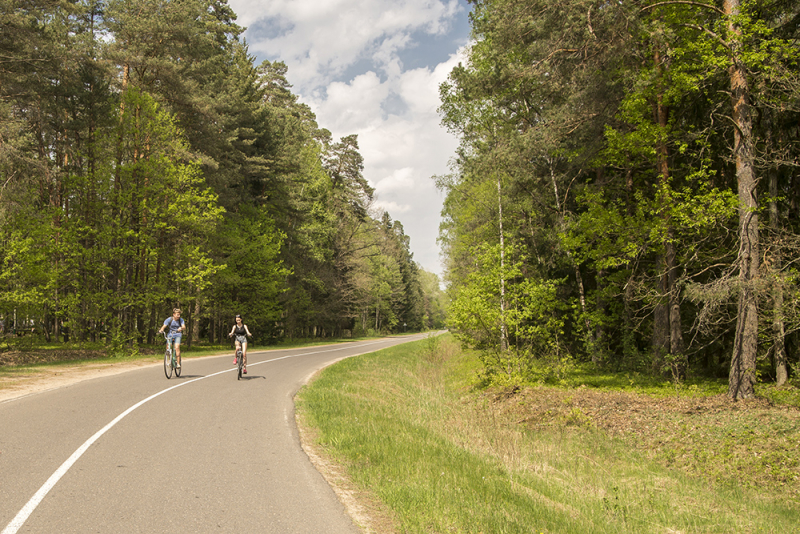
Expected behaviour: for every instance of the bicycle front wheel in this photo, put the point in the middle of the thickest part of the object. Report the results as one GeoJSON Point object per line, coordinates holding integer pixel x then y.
{"type": "Point", "coordinates": [239, 363]}
{"type": "Point", "coordinates": [168, 364]}
{"type": "Point", "coordinates": [177, 369]}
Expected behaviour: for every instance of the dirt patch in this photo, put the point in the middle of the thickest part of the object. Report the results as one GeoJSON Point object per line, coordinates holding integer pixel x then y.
{"type": "Point", "coordinates": [38, 357]}
{"type": "Point", "coordinates": [621, 413]}
{"type": "Point", "coordinates": [15, 383]}
{"type": "Point", "coordinates": [34, 357]}
{"type": "Point", "coordinates": [751, 442]}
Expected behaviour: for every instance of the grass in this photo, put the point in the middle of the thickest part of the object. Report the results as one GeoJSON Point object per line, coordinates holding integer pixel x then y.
{"type": "Point", "coordinates": [409, 428]}
{"type": "Point", "coordinates": [587, 375]}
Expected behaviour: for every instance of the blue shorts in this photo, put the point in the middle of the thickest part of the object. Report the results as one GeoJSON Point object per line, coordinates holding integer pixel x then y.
{"type": "Point", "coordinates": [176, 337]}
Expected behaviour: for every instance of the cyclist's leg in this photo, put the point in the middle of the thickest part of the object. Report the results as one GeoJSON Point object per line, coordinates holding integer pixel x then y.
{"type": "Point", "coordinates": [244, 353]}
{"type": "Point", "coordinates": [177, 342]}
{"type": "Point", "coordinates": [236, 348]}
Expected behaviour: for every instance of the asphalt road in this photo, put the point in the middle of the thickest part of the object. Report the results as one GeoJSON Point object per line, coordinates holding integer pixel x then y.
{"type": "Point", "coordinates": [135, 452]}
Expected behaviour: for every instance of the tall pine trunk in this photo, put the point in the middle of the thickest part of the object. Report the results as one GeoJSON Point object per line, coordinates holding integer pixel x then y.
{"type": "Point", "coordinates": [778, 328]}
{"type": "Point", "coordinates": [667, 331]}
{"type": "Point", "coordinates": [742, 377]}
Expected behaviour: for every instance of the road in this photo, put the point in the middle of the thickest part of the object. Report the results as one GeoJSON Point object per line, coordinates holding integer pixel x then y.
{"type": "Point", "coordinates": [135, 452]}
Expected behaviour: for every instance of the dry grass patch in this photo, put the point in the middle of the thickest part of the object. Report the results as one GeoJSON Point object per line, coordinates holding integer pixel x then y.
{"type": "Point", "coordinates": [753, 442]}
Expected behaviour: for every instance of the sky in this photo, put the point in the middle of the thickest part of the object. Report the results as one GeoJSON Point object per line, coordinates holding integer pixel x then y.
{"type": "Point", "coordinates": [373, 68]}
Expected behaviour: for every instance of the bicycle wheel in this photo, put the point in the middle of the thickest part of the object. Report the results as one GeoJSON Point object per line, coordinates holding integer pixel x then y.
{"type": "Point", "coordinates": [239, 363]}
{"type": "Point", "coordinates": [168, 364]}
{"type": "Point", "coordinates": [177, 369]}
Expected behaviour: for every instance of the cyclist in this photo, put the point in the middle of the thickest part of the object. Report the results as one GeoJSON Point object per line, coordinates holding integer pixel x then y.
{"type": "Point", "coordinates": [177, 326]}
{"type": "Point", "coordinates": [241, 332]}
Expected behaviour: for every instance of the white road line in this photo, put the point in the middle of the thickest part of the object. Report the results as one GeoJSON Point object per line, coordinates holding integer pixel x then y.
{"type": "Point", "coordinates": [37, 498]}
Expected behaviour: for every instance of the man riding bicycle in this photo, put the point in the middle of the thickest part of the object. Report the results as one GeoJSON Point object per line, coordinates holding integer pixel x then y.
{"type": "Point", "coordinates": [177, 327]}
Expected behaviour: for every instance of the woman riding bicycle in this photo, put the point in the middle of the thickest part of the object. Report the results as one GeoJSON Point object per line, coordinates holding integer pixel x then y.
{"type": "Point", "coordinates": [241, 332]}
{"type": "Point", "coordinates": [177, 327]}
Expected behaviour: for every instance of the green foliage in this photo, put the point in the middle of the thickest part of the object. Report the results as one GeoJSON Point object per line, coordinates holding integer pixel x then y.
{"type": "Point", "coordinates": [148, 163]}
{"type": "Point", "coordinates": [788, 394]}
{"type": "Point", "coordinates": [517, 322]}
{"type": "Point", "coordinates": [254, 275]}
{"type": "Point", "coordinates": [612, 131]}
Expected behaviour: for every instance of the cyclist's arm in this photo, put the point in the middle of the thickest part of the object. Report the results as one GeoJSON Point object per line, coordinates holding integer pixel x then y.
{"type": "Point", "coordinates": [248, 331]}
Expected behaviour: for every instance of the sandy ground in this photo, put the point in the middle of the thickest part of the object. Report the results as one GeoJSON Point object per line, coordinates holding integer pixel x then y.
{"type": "Point", "coordinates": [54, 377]}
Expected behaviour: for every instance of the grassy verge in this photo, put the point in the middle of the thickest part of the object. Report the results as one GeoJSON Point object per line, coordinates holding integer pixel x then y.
{"type": "Point", "coordinates": [30, 361]}
{"type": "Point", "coordinates": [409, 429]}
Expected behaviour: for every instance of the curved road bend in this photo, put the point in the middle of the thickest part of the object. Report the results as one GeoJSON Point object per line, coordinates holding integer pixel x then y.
{"type": "Point", "coordinates": [135, 452]}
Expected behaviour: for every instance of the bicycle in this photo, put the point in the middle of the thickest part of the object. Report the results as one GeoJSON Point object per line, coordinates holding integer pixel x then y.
{"type": "Point", "coordinates": [170, 360]}
{"type": "Point", "coordinates": [239, 361]}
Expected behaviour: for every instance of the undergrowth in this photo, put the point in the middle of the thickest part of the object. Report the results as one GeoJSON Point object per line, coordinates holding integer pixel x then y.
{"type": "Point", "coordinates": [593, 454]}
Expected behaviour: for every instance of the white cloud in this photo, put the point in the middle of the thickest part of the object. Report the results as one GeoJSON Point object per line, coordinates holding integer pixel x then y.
{"type": "Point", "coordinates": [391, 207]}
{"type": "Point", "coordinates": [319, 39]}
{"type": "Point", "coordinates": [400, 179]}
{"type": "Point", "coordinates": [393, 110]}
{"type": "Point", "coordinates": [350, 107]}
{"type": "Point", "coordinates": [402, 150]}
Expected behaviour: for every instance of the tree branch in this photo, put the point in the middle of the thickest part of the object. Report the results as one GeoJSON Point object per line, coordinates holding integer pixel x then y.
{"type": "Point", "coordinates": [687, 2]}
{"type": "Point", "coordinates": [709, 32]}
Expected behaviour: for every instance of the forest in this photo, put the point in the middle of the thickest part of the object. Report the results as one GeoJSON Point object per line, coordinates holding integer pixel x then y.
{"type": "Point", "coordinates": [148, 162]}
{"type": "Point", "coordinates": [627, 189]}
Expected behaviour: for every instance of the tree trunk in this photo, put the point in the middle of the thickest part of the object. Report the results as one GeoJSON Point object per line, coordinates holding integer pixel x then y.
{"type": "Point", "coordinates": [590, 341]}
{"type": "Point", "coordinates": [503, 327]}
{"type": "Point", "coordinates": [742, 377]}
{"type": "Point", "coordinates": [196, 321]}
{"type": "Point", "coordinates": [778, 328]}
{"type": "Point", "coordinates": [667, 331]}
{"type": "Point", "coordinates": [660, 341]}
{"type": "Point", "coordinates": [676, 345]}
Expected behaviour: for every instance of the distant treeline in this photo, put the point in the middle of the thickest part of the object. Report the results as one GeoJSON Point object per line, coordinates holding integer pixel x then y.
{"type": "Point", "coordinates": [628, 185]}
{"type": "Point", "coordinates": [146, 163]}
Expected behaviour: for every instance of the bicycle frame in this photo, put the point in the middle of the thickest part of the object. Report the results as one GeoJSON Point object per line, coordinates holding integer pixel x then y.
{"type": "Point", "coordinates": [173, 359]}
{"type": "Point", "coordinates": [239, 361]}
{"type": "Point", "coordinates": [240, 348]}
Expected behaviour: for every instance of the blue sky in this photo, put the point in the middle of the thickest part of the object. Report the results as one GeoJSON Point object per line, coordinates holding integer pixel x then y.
{"type": "Point", "coordinates": [372, 68]}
